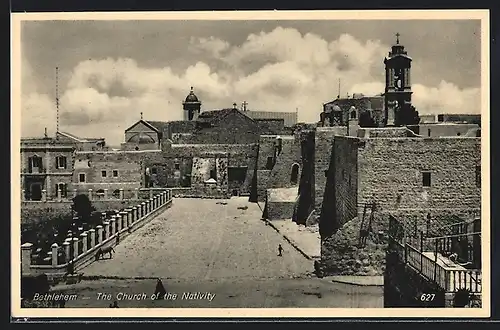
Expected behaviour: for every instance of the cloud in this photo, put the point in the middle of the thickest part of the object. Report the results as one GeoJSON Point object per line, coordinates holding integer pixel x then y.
{"type": "Point", "coordinates": [280, 70]}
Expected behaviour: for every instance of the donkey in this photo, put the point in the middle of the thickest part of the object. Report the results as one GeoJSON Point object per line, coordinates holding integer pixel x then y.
{"type": "Point", "coordinates": [102, 251]}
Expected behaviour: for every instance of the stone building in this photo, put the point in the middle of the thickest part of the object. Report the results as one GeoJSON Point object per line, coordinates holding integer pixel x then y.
{"type": "Point", "coordinates": [404, 175]}
{"type": "Point", "coordinates": [46, 168]}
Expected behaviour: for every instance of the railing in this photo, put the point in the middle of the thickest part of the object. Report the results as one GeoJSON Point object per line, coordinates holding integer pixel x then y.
{"type": "Point", "coordinates": [97, 194]}
{"type": "Point", "coordinates": [450, 280]}
{"type": "Point", "coordinates": [76, 247]}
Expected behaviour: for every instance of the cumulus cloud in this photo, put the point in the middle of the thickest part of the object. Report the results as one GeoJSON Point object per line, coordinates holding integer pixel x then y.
{"type": "Point", "coordinates": [281, 70]}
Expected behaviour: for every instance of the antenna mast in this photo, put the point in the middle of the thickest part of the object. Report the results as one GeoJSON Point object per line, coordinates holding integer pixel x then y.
{"type": "Point", "coordinates": [338, 96]}
{"type": "Point", "coordinates": [57, 101]}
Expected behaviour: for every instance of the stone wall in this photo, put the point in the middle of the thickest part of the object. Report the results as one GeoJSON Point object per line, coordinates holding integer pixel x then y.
{"type": "Point", "coordinates": [306, 191]}
{"type": "Point", "coordinates": [290, 154]}
{"type": "Point", "coordinates": [322, 155]}
{"type": "Point", "coordinates": [340, 203]}
{"type": "Point", "coordinates": [391, 174]}
{"type": "Point", "coordinates": [441, 130]}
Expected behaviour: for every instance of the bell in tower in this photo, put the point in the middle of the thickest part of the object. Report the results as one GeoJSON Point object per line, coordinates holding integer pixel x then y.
{"type": "Point", "coordinates": [397, 84]}
{"type": "Point", "coordinates": [191, 106]}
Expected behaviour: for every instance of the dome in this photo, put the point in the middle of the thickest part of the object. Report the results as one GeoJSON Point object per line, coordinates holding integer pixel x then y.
{"type": "Point", "coordinates": [141, 139]}
{"type": "Point", "coordinates": [191, 97]}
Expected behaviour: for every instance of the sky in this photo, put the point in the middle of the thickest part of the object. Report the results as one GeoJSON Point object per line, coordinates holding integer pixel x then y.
{"type": "Point", "coordinates": [111, 71]}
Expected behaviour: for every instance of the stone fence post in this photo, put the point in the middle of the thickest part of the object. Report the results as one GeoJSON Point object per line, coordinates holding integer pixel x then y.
{"type": "Point", "coordinates": [128, 218]}
{"type": "Point", "coordinates": [106, 231]}
{"type": "Point", "coordinates": [83, 237]}
{"type": "Point", "coordinates": [55, 257]}
{"type": "Point", "coordinates": [75, 247]}
{"type": "Point", "coordinates": [150, 193]}
{"type": "Point", "coordinates": [149, 205]}
{"type": "Point", "coordinates": [92, 238]}
{"type": "Point", "coordinates": [90, 194]}
{"type": "Point", "coordinates": [99, 235]}
{"type": "Point", "coordinates": [26, 257]}
{"type": "Point", "coordinates": [119, 219]}
{"type": "Point", "coordinates": [67, 251]}
{"type": "Point", "coordinates": [143, 209]}
{"type": "Point", "coordinates": [121, 193]}
{"type": "Point", "coordinates": [124, 219]}
{"type": "Point", "coordinates": [112, 226]}
{"type": "Point", "coordinates": [134, 214]}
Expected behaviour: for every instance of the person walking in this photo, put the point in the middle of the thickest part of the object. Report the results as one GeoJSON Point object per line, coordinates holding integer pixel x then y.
{"type": "Point", "coordinates": [280, 250]}
{"type": "Point", "coordinates": [160, 289]}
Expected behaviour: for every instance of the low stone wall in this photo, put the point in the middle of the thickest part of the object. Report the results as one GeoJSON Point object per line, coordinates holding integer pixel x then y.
{"type": "Point", "coordinates": [84, 248]}
{"type": "Point", "coordinates": [36, 211]}
{"type": "Point", "coordinates": [200, 192]}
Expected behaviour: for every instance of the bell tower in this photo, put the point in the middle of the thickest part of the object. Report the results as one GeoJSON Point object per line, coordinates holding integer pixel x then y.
{"type": "Point", "coordinates": [397, 83]}
{"type": "Point", "coordinates": [191, 106]}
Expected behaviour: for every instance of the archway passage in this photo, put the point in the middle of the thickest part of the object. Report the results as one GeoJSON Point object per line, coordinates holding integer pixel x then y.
{"type": "Point", "coordinates": [294, 176]}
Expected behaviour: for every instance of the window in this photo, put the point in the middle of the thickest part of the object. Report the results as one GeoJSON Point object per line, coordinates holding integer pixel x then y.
{"type": "Point", "coordinates": [213, 173]}
{"type": "Point", "coordinates": [426, 179]}
{"type": "Point", "coordinates": [35, 164]}
{"type": "Point", "coordinates": [177, 166]}
{"type": "Point", "coordinates": [61, 190]}
{"type": "Point", "coordinates": [61, 162]}
{"type": "Point", "coordinates": [478, 176]}
{"type": "Point", "coordinates": [294, 176]}
{"type": "Point", "coordinates": [115, 173]}
{"type": "Point", "coordinates": [429, 132]}
{"type": "Point", "coordinates": [104, 174]}
{"type": "Point", "coordinates": [270, 163]}
{"type": "Point", "coordinates": [81, 177]}
{"type": "Point", "coordinates": [153, 170]}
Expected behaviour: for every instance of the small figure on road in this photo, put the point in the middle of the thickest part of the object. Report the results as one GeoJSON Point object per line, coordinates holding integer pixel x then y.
{"type": "Point", "coordinates": [160, 289]}
{"type": "Point", "coordinates": [280, 250]}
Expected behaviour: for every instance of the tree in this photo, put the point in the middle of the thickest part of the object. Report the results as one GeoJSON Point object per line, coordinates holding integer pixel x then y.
{"type": "Point", "coordinates": [366, 120]}
{"type": "Point", "coordinates": [406, 114]}
{"type": "Point", "coordinates": [83, 207]}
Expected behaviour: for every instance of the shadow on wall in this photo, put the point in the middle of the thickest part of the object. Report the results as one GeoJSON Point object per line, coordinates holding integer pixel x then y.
{"type": "Point", "coordinates": [305, 202]}
{"type": "Point", "coordinates": [328, 223]}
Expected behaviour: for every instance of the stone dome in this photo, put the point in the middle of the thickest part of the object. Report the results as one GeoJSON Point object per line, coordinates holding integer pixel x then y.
{"type": "Point", "coordinates": [192, 97]}
{"type": "Point", "coordinates": [141, 139]}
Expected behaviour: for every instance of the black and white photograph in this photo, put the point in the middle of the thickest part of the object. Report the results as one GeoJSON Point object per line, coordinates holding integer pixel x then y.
{"type": "Point", "coordinates": [264, 163]}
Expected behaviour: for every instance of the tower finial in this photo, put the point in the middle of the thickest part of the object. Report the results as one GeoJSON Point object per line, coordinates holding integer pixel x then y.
{"type": "Point", "coordinates": [397, 38]}
{"type": "Point", "coordinates": [191, 88]}
{"type": "Point", "coordinates": [141, 115]}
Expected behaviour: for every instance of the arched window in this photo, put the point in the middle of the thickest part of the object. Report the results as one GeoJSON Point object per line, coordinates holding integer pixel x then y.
{"type": "Point", "coordinates": [353, 114]}
{"type": "Point", "coordinates": [294, 177]}
{"type": "Point", "coordinates": [116, 193]}
{"type": "Point", "coordinates": [61, 162]}
{"type": "Point", "coordinates": [61, 190]}
{"type": "Point", "coordinates": [100, 193]}
{"type": "Point", "coordinates": [35, 164]}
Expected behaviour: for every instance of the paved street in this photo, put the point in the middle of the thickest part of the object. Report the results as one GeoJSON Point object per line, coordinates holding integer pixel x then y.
{"type": "Point", "coordinates": [201, 239]}
{"type": "Point", "coordinates": [201, 245]}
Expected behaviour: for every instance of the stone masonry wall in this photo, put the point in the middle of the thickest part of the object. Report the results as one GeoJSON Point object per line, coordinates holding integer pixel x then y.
{"type": "Point", "coordinates": [322, 155]}
{"type": "Point", "coordinates": [390, 173]}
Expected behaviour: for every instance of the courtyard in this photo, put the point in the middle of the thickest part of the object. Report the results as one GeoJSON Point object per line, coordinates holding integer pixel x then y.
{"type": "Point", "coordinates": [213, 246]}
{"type": "Point", "coordinates": [204, 239]}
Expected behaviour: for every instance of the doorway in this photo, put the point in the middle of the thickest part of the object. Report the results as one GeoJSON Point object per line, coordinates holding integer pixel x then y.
{"type": "Point", "coordinates": [36, 192]}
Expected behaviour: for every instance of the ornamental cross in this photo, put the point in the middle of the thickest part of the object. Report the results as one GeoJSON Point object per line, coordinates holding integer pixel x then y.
{"type": "Point", "coordinates": [397, 38]}
{"type": "Point", "coordinates": [244, 105]}
{"type": "Point", "coordinates": [141, 115]}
